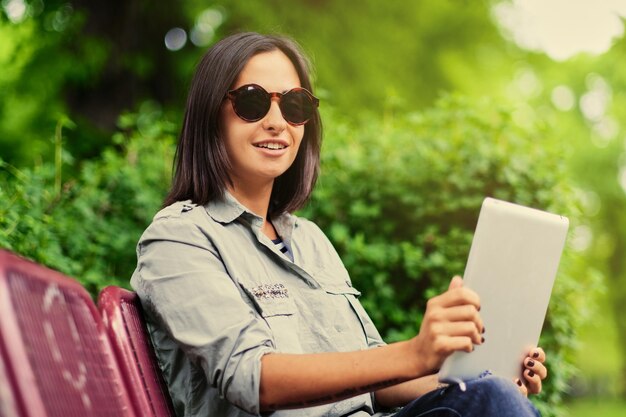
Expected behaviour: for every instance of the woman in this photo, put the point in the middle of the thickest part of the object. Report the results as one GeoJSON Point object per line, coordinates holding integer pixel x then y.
{"type": "Point", "coordinates": [250, 308]}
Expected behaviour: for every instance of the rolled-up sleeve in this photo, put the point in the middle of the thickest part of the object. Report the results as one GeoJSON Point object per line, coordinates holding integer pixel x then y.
{"type": "Point", "coordinates": [183, 280]}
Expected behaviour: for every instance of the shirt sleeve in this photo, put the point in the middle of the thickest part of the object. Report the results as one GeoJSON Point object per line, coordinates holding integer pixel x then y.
{"type": "Point", "coordinates": [202, 308]}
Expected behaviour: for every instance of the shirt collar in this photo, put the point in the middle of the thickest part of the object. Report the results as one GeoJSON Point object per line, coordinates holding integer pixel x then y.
{"type": "Point", "coordinates": [227, 209]}
{"type": "Point", "coordinates": [284, 225]}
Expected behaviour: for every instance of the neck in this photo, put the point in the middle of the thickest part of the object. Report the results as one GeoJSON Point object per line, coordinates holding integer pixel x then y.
{"type": "Point", "coordinates": [256, 198]}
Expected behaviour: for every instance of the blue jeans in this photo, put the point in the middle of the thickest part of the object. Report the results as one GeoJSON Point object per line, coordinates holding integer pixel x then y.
{"type": "Point", "coordinates": [486, 397]}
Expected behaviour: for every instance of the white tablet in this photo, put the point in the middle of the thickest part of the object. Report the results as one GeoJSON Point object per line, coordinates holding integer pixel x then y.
{"type": "Point", "coordinates": [512, 265]}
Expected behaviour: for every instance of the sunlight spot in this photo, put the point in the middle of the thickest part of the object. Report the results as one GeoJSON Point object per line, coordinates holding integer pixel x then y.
{"type": "Point", "coordinates": [212, 17]}
{"type": "Point", "coordinates": [599, 141]}
{"type": "Point", "coordinates": [528, 83]}
{"type": "Point", "coordinates": [201, 35]}
{"type": "Point", "coordinates": [595, 81]}
{"type": "Point", "coordinates": [207, 22]}
{"type": "Point", "coordinates": [622, 178]}
{"type": "Point", "coordinates": [562, 28]}
{"type": "Point", "coordinates": [15, 10]}
{"type": "Point", "coordinates": [581, 238]}
{"type": "Point", "coordinates": [563, 98]}
{"type": "Point", "coordinates": [175, 39]}
{"type": "Point", "coordinates": [590, 202]}
{"type": "Point", "coordinates": [524, 116]}
{"type": "Point", "coordinates": [607, 128]}
{"type": "Point", "coordinates": [595, 101]}
{"type": "Point", "coordinates": [62, 18]}
{"type": "Point", "coordinates": [593, 105]}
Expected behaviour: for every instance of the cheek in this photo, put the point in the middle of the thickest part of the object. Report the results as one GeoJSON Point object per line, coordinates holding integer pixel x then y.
{"type": "Point", "coordinates": [235, 134]}
{"type": "Point", "coordinates": [298, 134]}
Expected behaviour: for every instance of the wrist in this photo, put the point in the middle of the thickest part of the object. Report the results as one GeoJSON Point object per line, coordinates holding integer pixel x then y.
{"type": "Point", "coordinates": [414, 360]}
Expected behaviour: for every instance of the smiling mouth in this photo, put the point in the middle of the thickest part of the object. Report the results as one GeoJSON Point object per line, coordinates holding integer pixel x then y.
{"type": "Point", "coordinates": [271, 145]}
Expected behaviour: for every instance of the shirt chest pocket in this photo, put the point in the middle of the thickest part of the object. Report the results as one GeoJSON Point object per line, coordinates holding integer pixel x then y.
{"type": "Point", "coordinates": [275, 305]}
{"type": "Point", "coordinates": [346, 322]}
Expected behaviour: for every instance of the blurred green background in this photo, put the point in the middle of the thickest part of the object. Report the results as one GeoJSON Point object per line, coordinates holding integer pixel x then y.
{"type": "Point", "coordinates": [428, 107]}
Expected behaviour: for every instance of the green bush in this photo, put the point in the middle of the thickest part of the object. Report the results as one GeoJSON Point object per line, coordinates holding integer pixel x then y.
{"type": "Point", "coordinates": [399, 198]}
{"type": "Point", "coordinates": [88, 228]}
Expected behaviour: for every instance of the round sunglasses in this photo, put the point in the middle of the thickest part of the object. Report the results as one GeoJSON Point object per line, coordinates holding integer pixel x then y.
{"type": "Point", "coordinates": [251, 103]}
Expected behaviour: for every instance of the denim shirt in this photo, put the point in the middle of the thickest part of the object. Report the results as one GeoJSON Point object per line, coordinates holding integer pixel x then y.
{"type": "Point", "coordinates": [218, 295]}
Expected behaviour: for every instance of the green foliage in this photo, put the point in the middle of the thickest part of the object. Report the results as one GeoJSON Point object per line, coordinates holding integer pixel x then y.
{"type": "Point", "coordinates": [89, 227]}
{"type": "Point", "coordinates": [605, 407]}
{"type": "Point", "coordinates": [91, 60]}
{"type": "Point", "coordinates": [37, 64]}
{"type": "Point", "coordinates": [377, 55]}
{"type": "Point", "coordinates": [400, 199]}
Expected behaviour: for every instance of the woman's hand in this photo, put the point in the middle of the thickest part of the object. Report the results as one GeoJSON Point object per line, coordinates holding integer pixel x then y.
{"type": "Point", "coordinates": [451, 323]}
{"type": "Point", "coordinates": [534, 372]}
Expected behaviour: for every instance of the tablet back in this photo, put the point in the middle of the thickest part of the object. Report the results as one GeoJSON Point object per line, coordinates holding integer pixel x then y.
{"type": "Point", "coordinates": [512, 265]}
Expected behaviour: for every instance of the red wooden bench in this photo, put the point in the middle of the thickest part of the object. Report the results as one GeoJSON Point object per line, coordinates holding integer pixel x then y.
{"type": "Point", "coordinates": [59, 358]}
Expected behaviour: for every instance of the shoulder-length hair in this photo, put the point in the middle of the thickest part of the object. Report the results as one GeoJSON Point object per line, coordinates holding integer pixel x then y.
{"type": "Point", "coordinates": [201, 163]}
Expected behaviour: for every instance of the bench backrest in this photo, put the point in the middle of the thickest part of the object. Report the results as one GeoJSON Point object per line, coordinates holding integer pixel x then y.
{"type": "Point", "coordinates": [8, 401]}
{"type": "Point", "coordinates": [122, 315]}
{"type": "Point", "coordinates": [58, 358]}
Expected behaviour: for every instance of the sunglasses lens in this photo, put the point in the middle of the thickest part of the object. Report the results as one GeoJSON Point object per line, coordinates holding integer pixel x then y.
{"type": "Point", "coordinates": [297, 107]}
{"type": "Point", "coordinates": [252, 104]}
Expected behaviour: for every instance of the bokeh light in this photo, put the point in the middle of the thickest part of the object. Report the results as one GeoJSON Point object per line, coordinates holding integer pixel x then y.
{"type": "Point", "coordinates": [582, 237]}
{"type": "Point", "coordinates": [528, 83]}
{"type": "Point", "coordinates": [207, 22]}
{"type": "Point", "coordinates": [622, 178]}
{"type": "Point", "coordinates": [595, 101]}
{"type": "Point", "coordinates": [562, 28]}
{"type": "Point", "coordinates": [175, 39]}
{"type": "Point", "coordinates": [563, 98]}
{"type": "Point", "coordinates": [15, 10]}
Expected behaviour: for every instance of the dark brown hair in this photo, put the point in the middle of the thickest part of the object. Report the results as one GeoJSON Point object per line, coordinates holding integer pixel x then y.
{"type": "Point", "coordinates": [201, 164]}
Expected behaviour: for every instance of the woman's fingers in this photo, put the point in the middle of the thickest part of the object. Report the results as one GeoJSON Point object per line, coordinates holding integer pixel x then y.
{"type": "Point", "coordinates": [455, 282]}
{"type": "Point", "coordinates": [456, 297]}
{"type": "Point", "coordinates": [455, 321]}
{"type": "Point", "coordinates": [466, 329]}
{"type": "Point", "coordinates": [522, 387]}
{"type": "Point", "coordinates": [534, 370]}
{"type": "Point", "coordinates": [537, 354]}
{"type": "Point", "coordinates": [463, 313]}
{"type": "Point", "coordinates": [533, 381]}
{"type": "Point", "coordinates": [451, 323]}
{"type": "Point", "coordinates": [536, 367]}
{"type": "Point", "coordinates": [446, 345]}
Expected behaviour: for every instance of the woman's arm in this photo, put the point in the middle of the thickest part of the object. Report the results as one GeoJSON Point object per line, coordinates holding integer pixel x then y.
{"type": "Point", "coordinates": [295, 381]}
{"type": "Point", "coordinates": [402, 394]}
{"type": "Point", "coordinates": [451, 323]}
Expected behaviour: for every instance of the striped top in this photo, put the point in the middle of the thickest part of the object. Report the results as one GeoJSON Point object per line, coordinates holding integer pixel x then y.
{"type": "Point", "coordinates": [280, 245]}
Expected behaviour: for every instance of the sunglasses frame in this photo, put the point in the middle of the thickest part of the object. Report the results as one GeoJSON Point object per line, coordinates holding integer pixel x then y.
{"type": "Point", "coordinates": [232, 96]}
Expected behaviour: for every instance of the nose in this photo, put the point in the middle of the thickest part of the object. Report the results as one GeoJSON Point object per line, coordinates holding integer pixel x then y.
{"type": "Point", "coordinates": [274, 120]}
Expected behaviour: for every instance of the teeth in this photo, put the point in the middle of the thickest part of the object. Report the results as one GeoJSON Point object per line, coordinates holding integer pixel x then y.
{"type": "Point", "coordinates": [271, 145]}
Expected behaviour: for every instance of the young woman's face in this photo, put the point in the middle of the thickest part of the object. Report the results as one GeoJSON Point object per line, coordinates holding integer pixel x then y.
{"type": "Point", "coordinates": [261, 151]}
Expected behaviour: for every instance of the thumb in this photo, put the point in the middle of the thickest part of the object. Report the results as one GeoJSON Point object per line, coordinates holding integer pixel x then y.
{"type": "Point", "coordinates": [456, 282]}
